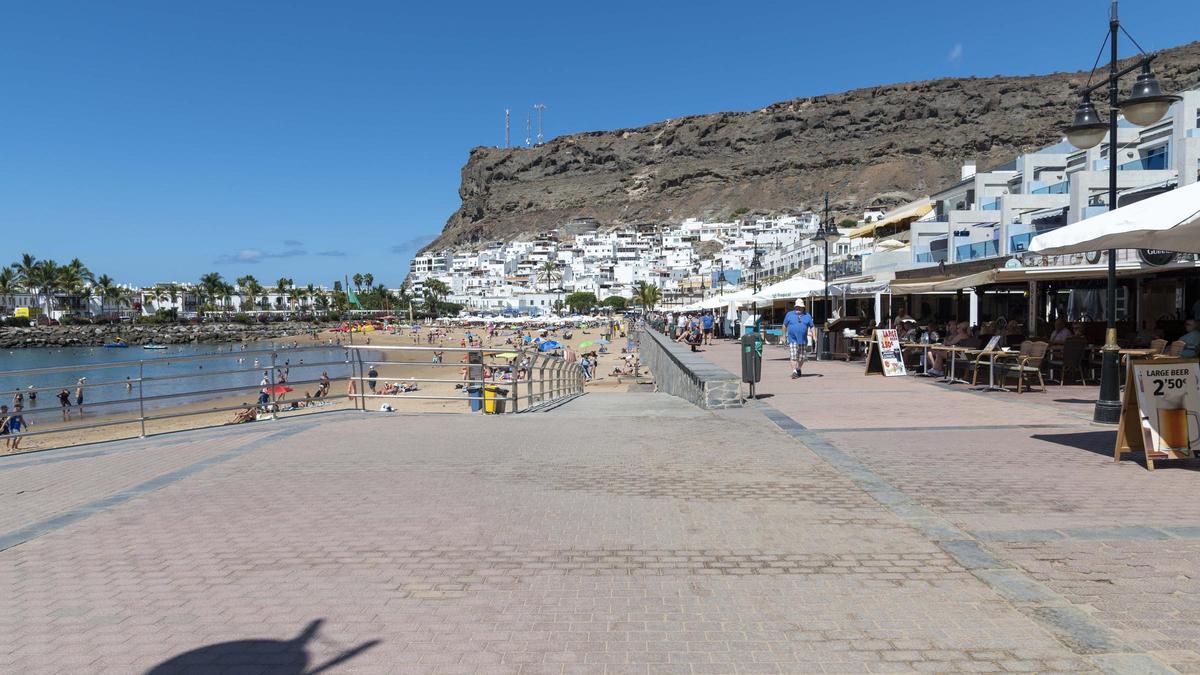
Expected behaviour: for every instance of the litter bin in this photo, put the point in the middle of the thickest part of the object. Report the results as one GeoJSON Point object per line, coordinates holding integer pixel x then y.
{"type": "Point", "coordinates": [475, 393]}
{"type": "Point", "coordinates": [752, 346]}
{"type": "Point", "coordinates": [493, 400]}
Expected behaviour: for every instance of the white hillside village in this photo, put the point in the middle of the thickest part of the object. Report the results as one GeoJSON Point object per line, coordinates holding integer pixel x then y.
{"type": "Point", "coordinates": [688, 261]}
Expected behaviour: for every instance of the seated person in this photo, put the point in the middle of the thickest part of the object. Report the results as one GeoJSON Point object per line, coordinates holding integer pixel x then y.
{"type": "Point", "coordinates": [1191, 339]}
{"type": "Point", "coordinates": [244, 415]}
{"type": "Point", "coordinates": [938, 358]}
{"type": "Point", "coordinates": [1061, 332]}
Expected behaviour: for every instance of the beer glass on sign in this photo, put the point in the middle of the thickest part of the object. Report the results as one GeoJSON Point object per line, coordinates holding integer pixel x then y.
{"type": "Point", "coordinates": [1173, 428]}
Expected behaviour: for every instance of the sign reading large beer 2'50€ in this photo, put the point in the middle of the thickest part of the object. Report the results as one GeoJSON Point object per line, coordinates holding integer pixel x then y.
{"type": "Point", "coordinates": [1161, 414]}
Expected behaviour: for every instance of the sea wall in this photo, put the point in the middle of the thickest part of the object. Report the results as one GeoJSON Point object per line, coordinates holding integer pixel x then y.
{"type": "Point", "coordinates": [167, 334]}
{"type": "Point", "coordinates": [679, 372]}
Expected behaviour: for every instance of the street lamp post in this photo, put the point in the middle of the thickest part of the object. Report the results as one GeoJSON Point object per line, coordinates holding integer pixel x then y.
{"type": "Point", "coordinates": [755, 268]}
{"type": "Point", "coordinates": [1146, 105]}
{"type": "Point", "coordinates": [828, 234]}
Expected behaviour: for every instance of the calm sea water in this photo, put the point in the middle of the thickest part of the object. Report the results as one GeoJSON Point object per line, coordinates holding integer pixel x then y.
{"type": "Point", "coordinates": [112, 373]}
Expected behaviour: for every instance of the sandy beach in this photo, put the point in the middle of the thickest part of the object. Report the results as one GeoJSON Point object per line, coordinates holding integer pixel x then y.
{"type": "Point", "coordinates": [103, 426]}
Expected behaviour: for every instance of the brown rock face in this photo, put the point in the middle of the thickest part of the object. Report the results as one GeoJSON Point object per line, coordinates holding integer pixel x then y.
{"type": "Point", "coordinates": [872, 146]}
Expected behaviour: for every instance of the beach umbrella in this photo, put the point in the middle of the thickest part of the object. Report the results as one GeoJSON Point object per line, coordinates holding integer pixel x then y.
{"type": "Point", "coordinates": [587, 343]}
{"type": "Point", "coordinates": [548, 345]}
{"type": "Point", "coordinates": [602, 341]}
{"type": "Point", "coordinates": [1168, 222]}
{"type": "Point", "coordinates": [277, 389]}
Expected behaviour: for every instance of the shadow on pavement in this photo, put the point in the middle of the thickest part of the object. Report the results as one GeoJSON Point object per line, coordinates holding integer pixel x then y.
{"type": "Point", "coordinates": [1099, 442]}
{"type": "Point", "coordinates": [278, 657]}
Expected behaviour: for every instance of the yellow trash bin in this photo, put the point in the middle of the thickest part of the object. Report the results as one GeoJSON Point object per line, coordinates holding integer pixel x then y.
{"type": "Point", "coordinates": [493, 400]}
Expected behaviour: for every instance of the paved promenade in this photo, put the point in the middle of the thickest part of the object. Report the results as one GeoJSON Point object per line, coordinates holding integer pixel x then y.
{"type": "Point", "coordinates": [1105, 555]}
{"type": "Point", "coordinates": [620, 533]}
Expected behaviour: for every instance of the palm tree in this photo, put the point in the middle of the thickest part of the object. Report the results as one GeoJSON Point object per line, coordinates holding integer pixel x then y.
{"type": "Point", "coordinates": [647, 295]}
{"type": "Point", "coordinates": [549, 272]}
{"type": "Point", "coordinates": [358, 281]}
{"type": "Point", "coordinates": [435, 290]}
{"type": "Point", "coordinates": [250, 290]}
{"type": "Point", "coordinates": [76, 265]}
{"type": "Point", "coordinates": [44, 279]}
{"type": "Point", "coordinates": [8, 283]}
{"type": "Point", "coordinates": [156, 295]}
{"type": "Point", "coordinates": [322, 299]}
{"type": "Point", "coordinates": [281, 287]}
{"type": "Point", "coordinates": [105, 289]}
{"type": "Point", "coordinates": [368, 280]}
{"type": "Point", "coordinates": [25, 270]}
{"type": "Point", "coordinates": [210, 287]}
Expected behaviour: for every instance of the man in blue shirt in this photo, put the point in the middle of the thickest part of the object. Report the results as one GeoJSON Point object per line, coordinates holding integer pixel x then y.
{"type": "Point", "coordinates": [706, 322]}
{"type": "Point", "coordinates": [798, 322]}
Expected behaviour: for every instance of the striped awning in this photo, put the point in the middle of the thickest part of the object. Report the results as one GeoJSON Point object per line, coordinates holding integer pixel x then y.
{"type": "Point", "coordinates": [902, 215]}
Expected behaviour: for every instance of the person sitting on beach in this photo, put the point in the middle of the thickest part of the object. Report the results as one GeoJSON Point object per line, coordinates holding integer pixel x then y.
{"type": "Point", "coordinates": [244, 415]}
{"type": "Point", "coordinates": [323, 389]}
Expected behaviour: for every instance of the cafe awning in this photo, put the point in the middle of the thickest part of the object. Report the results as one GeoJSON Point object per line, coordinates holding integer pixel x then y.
{"type": "Point", "coordinates": [1169, 222]}
{"type": "Point", "coordinates": [947, 285]}
{"type": "Point", "coordinates": [899, 216]}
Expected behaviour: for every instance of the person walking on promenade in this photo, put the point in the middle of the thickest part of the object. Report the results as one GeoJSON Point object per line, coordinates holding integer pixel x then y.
{"type": "Point", "coordinates": [798, 324]}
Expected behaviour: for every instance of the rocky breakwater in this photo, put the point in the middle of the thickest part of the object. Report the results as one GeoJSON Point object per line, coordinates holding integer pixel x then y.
{"type": "Point", "coordinates": [166, 334]}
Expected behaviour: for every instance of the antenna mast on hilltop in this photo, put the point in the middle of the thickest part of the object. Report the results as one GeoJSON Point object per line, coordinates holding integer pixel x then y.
{"type": "Point", "coordinates": [528, 130]}
{"type": "Point", "coordinates": [539, 107]}
{"type": "Point", "coordinates": [506, 116]}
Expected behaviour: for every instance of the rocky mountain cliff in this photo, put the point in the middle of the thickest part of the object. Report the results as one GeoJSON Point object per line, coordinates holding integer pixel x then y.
{"type": "Point", "coordinates": [875, 146]}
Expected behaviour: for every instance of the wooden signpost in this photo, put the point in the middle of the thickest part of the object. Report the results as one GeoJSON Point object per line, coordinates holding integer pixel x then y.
{"type": "Point", "coordinates": [1160, 412]}
{"type": "Point", "coordinates": [884, 356]}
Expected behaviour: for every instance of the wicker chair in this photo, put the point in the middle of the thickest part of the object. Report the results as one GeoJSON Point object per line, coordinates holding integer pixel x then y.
{"type": "Point", "coordinates": [982, 360]}
{"type": "Point", "coordinates": [1175, 348]}
{"type": "Point", "coordinates": [1158, 345]}
{"type": "Point", "coordinates": [1027, 364]}
{"type": "Point", "coordinates": [1071, 360]}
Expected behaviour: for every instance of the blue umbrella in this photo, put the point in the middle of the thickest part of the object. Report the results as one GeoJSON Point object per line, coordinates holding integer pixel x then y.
{"type": "Point", "coordinates": [548, 345]}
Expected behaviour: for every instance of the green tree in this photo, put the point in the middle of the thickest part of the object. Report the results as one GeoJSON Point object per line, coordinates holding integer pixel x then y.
{"type": "Point", "coordinates": [549, 273]}
{"type": "Point", "coordinates": [8, 283]}
{"type": "Point", "coordinates": [358, 281]}
{"type": "Point", "coordinates": [435, 290]}
{"type": "Point", "coordinates": [615, 301]}
{"type": "Point", "coordinates": [647, 295]}
{"type": "Point", "coordinates": [368, 280]}
{"type": "Point", "coordinates": [581, 301]}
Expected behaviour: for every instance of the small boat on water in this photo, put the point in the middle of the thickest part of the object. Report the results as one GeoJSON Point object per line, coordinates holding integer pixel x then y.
{"type": "Point", "coordinates": [154, 346]}
{"type": "Point", "coordinates": [116, 345]}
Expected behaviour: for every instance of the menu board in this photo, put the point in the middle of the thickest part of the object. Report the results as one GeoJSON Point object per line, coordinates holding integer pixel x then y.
{"type": "Point", "coordinates": [889, 352]}
{"type": "Point", "coordinates": [1161, 412]}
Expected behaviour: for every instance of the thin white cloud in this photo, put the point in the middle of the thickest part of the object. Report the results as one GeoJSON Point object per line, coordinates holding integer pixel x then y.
{"type": "Point", "coordinates": [253, 256]}
{"type": "Point", "coordinates": [956, 53]}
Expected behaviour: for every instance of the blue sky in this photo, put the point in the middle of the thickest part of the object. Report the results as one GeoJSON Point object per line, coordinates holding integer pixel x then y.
{"type": "Point", "coordinates": [162, 140]}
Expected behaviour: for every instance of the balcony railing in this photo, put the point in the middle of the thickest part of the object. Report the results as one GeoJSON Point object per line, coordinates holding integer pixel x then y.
{"type": "Point", "coordinates": [993, 205]}
{"type": "Point", "coordinates": [1155, 162]}
{"type": "Point", "coordinates": [980, 249]}
{"type": "Point", "coordinates": [932, 256]}
{"type": "Point", "coordinates": [1056, 189]}
{"type": "Point", "coordinates": [1020, 242]}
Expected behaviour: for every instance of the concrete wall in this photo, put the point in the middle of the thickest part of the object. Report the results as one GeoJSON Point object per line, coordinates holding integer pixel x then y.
{"type": "Point", "coordinates": [679, 372]}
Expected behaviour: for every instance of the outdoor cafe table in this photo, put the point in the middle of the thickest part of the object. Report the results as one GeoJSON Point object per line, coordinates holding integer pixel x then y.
{"type": "Point", "coordinates": [924, 347]}
{"type": "Point", "coordinates": [954, 352]}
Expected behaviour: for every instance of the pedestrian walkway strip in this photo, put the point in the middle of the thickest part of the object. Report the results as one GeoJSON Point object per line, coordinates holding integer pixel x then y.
{"type": "Point", "coordinates": [1115, 533]}
{"type": "Point", "coordinates": [1079, 631]}
{"type": "Point", "coordinates": [949, 427]}
{"type": "Point", "coordinates": [72, 516]}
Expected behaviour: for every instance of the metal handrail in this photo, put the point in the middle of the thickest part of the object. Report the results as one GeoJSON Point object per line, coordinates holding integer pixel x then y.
{"type": "Point", "coordinates": [547, 378]}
